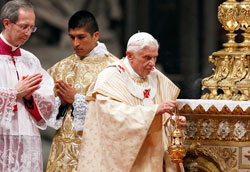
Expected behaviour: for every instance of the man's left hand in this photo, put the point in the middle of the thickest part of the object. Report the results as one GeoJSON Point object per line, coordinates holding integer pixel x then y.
{"type": "Point", "coordinates": [181, 120]}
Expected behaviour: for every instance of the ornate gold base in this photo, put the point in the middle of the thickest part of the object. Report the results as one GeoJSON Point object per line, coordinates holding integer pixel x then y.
{"type": "Point", "coordinates": [216, 140]}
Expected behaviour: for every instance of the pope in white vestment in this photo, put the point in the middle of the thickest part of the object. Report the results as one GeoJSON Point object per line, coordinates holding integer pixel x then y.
{"type": "Point", "coordinates": [122, 132]}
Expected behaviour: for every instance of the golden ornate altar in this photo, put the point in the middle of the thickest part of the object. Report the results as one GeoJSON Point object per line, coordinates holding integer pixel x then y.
{"type": "Point", "coordinates": [217, 135]}
{"type": "Point", "coordinates": [217, 132]}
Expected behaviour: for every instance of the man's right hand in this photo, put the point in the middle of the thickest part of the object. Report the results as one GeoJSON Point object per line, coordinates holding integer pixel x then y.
{"type": "Point", "coordinates": [28, 85]}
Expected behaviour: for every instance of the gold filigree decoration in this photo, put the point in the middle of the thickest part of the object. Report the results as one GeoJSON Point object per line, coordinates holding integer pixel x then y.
{"type": "Point", "coordinates": [247, 155]}
{"type": "Point", "coordinates": [65, 147]}
{"type": "Point", "coordinates": [202, 129]}
{"type": "Point", "coordinates": [228, 155]}
{"type": "Point", "coordinates": [231, 75]}
{"type": "Point", "coordinates": [227, 15]}
{"type": "Point", "coordinates": [216, 158]}
{"type": "Point", "coordinates": [80, 73]}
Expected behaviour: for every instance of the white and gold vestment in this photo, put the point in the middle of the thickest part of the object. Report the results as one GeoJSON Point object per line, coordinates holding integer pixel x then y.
{"type": "Point", "coordinates": [80, 73]}
{"type": "Point", "coordinates": [121, 131]}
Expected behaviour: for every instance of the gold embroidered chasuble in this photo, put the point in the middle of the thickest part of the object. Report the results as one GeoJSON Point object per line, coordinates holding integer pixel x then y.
{"type": "Point", "coordinates": [121, 134]}
{"type": "Point", "coordinates": [80, 73]}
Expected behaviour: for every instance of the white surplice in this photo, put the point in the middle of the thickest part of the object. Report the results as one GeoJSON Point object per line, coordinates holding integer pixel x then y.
{"type": "Point", "coordinates": [20, 142]}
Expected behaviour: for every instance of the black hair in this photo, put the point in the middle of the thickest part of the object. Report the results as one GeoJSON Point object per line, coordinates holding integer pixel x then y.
{"type": "Point", "coordinates": [83, 19]}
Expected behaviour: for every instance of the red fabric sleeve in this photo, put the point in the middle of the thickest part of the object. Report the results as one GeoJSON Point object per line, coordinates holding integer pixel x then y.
{"type": "Point", "coordinates": [34, 111]}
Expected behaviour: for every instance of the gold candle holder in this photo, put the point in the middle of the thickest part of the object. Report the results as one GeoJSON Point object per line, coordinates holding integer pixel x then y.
{"type": "Point", "coordinates": [244, 22]}
{"type": "Point", "coordinates": [227, 15]}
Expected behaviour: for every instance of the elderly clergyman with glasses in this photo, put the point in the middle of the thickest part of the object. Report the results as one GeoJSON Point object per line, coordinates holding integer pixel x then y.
{"type": "Point", "coordinates": [26, 92]}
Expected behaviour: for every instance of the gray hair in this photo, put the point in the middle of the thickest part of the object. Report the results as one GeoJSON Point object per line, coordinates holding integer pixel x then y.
{"type": "Point", "coordinates": [10, 9]}
{"type": "Point", "coordinates": [140, 40]}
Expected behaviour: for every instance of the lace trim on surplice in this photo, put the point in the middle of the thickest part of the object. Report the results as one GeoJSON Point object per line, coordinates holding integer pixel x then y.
{"type": "Point", "coordinates": [7, 103]}
{"type": "Point", "coordinates": [80, 106]}
{"type": "Point", "coordinates": [20, 153]}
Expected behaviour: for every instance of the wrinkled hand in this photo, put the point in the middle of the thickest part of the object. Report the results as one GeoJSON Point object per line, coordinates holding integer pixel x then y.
{"type": "Point", "coordinates": [28, 85]}
{"type": "Point", "coordinates": [65, 92]}
{"type": "Point", "coordinates": [167, 106]}
{"type": "Point", "coordinates": [181, 121]}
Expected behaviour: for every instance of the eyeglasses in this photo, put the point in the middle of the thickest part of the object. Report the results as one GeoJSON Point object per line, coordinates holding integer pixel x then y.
{"type": "Point", "coordinates": [26, 28]}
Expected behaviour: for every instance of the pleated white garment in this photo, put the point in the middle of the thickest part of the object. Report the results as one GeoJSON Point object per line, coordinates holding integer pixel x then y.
{"type": "Point", "coordinates": [20, 142]}
{"type": "Point", "coordinates": [121, 132]}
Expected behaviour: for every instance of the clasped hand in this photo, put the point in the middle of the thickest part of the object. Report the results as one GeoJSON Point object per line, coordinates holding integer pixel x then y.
{"type": "Point", "coordinates": [65, 92]}
{"type": "Point", "coordinates": [28, 85]}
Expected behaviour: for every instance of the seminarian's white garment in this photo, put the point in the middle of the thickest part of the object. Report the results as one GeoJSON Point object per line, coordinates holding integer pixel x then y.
{"type": "Point", "coordinates": [20, 142]}
{"type": "Point", "coordinates": [121, 131]}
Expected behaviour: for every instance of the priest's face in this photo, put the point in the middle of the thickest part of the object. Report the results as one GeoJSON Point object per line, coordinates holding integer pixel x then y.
{"type": "Point", "coordinates": [143, 61]}
{"type": "Point", "coordinates": [82, 41]}
{"type": "Point", "coordinates": [19, 32]}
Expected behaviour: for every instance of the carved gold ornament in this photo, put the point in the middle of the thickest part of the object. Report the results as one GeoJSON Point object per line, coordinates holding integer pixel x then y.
{"type": "Point", "coordinates": [231, 75]}
{"type": "Point", "coordinates": [216, 125]}
{"type": "Point", "coordinates": [247, 155]}
{"type": "Point", "coordinates": [227, 15]}
{"type": "Point", "coordinates": [212, 159]}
